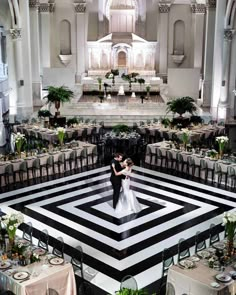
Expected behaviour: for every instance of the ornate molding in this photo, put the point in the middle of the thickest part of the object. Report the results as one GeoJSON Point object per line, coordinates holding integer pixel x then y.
{"type": "Point", "coordinates": [198, 8]}
{"type": "Point", "coordinates": [211, 4]}
{"type": "Point", "coordinates": [228, 35]}
{"type": "Point", "coordinates": [80, 7]}
{"type": "Point", "coordinates": [47, 7]}
{"type": "Point", "coordinates": [34, 4]}
{"type": "Point", "coordinates": [15, 33]}
{"type": "Point", "coordinates": [164, 8]}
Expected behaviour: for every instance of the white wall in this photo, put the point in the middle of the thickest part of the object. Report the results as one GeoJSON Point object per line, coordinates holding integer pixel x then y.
{"type": "Point", "coordinates": [183, 82]}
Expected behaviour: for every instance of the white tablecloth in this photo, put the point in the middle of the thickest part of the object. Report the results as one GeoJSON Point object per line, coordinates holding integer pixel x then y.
{"type": "Point", "coordinates": [60, 278]}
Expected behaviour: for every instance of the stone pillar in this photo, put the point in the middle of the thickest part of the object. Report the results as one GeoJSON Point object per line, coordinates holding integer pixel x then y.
{"type": "Point", "coordinates": [223, 105]}
{"type": "Point", "coordinates": [209, 48]}
{"type": "Point", "coordinates": [198, 14]}
{"type": "Point", "coordinates": [35, 52]}
{"type": "Point", "coordinates": [17, 46]}
{"type": "Point", "coordinates": [26, 60]}
{"type": "Point", "coordinates": [45, 9]}
{"type": "Point", "coordinates": [163, 37]}
{"type": "Point", "coordinates": [80, 10]}
{"type": "Point", "coordinates": [217, 56]}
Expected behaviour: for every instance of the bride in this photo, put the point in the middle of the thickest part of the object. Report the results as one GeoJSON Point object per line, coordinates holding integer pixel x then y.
{"type": "Point", "coordinates": [127, 200]}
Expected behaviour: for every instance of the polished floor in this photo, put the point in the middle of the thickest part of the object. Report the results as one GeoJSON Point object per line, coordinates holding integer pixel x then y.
{"type": "Point", "coordinates": [78, 208]}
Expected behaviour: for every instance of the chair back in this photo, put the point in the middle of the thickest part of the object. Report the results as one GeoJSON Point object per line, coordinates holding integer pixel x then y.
{"type": "Point", "coordinates": [36, 164]}
{"type": "Point", "coordinates": [203, 164]}
{"type": "Point", "coordinates": [43, 240]}
{"type": "Point", "coordinates": [58, 248]}
{"type": "Point", "coordinates": [190, 161]}
{"type": "Point", "coordinates": [50, 161]}
{"type": "Point", "coordinates": [183, 250]}
{"type": "Point", "coordinates": [77, 259]}
{"type": "Point", "coordinates": [28, 232]}
{"type": "Point", "coordinates": [167, 261]}
{"type": "Point", "coordinates": [23, 166]}
{"type": "Point", "coordinates": [129, 282]}
{"type": "Point", "coordinates": [200, 243]}
{"type": "Point", "coordinates": [169, 155]}
{"type": "Point", "coordinates": [230, 171]}
{"type": "Point", "coordinates": [9, 169]}
{"type": "Point", "coordinates": [217, 168]}
{"type": "Point", "coordinates": [214, 235]}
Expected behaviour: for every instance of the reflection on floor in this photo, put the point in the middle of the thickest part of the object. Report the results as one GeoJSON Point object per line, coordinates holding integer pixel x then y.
{"type": "Point", "coordinates": [78, 208]}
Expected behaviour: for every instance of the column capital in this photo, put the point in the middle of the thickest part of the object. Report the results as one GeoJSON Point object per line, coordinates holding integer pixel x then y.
{"type": "Point", "coordinates": [228, 35]}
{"type": "Point", "coordinates": [164, 8]}
{"type": "Point", "coordinates": [80, 7]}
{"type": "Point", "coordinates": [198, 8]}
{"type": "Point", "coordinates": [46, 7]}
{"type": "Point", "coordinates": [211, 4]}
{"type": "Point", "coordinates": [34, 4]}
{"type": "Point", "coordinates": [15, 33]}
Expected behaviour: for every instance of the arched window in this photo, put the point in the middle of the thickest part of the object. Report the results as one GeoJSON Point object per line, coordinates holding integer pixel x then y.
{"type": "Point", "coordinates": [179, 32]}
{"type": "Point", "coordinates": [65, 37]}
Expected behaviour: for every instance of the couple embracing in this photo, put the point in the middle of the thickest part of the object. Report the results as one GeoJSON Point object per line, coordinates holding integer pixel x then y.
{"type": "Point", "coordinates": [123, 200]}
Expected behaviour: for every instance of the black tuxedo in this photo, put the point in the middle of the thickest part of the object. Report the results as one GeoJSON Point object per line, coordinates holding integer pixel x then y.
{"type": "Point", "coordinates": [116, 181]}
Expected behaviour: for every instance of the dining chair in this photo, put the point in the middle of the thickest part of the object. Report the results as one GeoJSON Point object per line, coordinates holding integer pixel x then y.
{"type": "Point", "coordinates": [200, 243]}
{"type": "Point", "coordinates": [183, 250]}
{"type": "Point", "coordinates": [60, 163]}
{"type": "Point", "coordinates": [58, 248]}
{"type": "Point", "coordinates": [43, 240]}
{"type": "Point", "coordinates": [219, 173]}
{"type": "Point", "coordinates": [160, 156]}
{"type": "Point", "coordinates": [85, 288]}
{"type": "Point", "coordinates": [35, 167]}
{"type": "Point", "coordinates": [77, 259]}
{"type": "Point", "coordinates": [9, 172]}
{"type": "Point", "coordinates": [28, 232]}
{"type": "Point", "coordinates": [231, 180]}
{"type": "Point", "coordinates": [129, 282]}
{"type": "Point", "coordinates": [170, 160]}
{"type": "Point", "coordinates": [170, 289]}
{"type": "Point", "coordinates": [48, 165]}
{"type": "Point", "coordinates": [180, 163]}
{"type": "Point", "coordinates": [214, 235]}
{"type": "Point", "coordinates": [167, 261]}
{"type": "Point", "coordinates": [191, 166]}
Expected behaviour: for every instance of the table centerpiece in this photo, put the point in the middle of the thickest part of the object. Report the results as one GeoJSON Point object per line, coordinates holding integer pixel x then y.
{"type": "Point", "coordinates": [61, 134]}
{"type": "Point", "coordinates": [12, 222]}
{"type": "Point", "coordinates": [229, 221]}
{"type": "Point", "coordinates": [185, 137]}
{"type": "Point", "coordinates": [19, 142]}
{"type": "Point", "coordinates": [222, 141]}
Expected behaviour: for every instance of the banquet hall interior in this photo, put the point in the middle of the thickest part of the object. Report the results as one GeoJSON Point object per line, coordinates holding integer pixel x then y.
{"type": "Point", "coordinates": [83, 80]}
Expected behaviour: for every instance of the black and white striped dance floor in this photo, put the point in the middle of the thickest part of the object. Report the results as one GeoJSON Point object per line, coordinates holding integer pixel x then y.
{"type": "Point", "coordinates": [78, 209]}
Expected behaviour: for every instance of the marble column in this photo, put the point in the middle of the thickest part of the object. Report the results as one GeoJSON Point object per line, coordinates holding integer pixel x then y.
{"type": "Point", "coordinates": [218, 56]}
{"type": "Point", "coordinates": [208, 57]}
{"type": "Point", "coordinates": [223, 106]}
{"type": "Point", "coordinates": [45, 31]}
{"type": "Point", "coordinates": [163, 37]}
{"type": "Point", "coordinates": [17, 46]}
{"type": "Point", "coordinates": [35, 52]}
{"type": "Point", "coordinates": [81, 20]}
{"type": "Point", "coordinates": [198, 15]}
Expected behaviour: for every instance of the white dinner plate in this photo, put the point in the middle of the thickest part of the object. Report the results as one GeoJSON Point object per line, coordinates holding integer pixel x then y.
{"type": "Point", "coordinates": [56, 261]}
{"type": "Point", "coordinates": [4, 264]}
{"type": "Point", "coordinates": [187, 263]}
{"type": "Point", "coordinates": [21, 275]}
{"type": "Point", "coordinates": [204, 254]}
{"type": "Point", "coordinates": [222, 277]}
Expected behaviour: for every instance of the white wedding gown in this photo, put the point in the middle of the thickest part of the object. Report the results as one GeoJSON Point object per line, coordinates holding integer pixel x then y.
{"type": "Point", "coordinates": [127, 200]}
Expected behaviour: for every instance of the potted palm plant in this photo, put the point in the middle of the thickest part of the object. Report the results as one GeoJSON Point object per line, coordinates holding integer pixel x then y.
{"type": "Point", "coordinates": [58, 95]}
{"type": "Point", "coordinates": [181, 105]}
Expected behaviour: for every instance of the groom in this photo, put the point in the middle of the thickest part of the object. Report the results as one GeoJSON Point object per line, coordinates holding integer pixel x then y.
{"type": "Point", "coordinates": [116, 180]}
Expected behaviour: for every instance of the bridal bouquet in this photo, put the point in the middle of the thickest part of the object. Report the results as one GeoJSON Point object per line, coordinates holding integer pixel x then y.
{"type": "Point", "coordinates": [61, 134]}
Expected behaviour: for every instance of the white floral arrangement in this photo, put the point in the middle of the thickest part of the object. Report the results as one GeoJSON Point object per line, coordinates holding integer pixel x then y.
{"type": "Point", "coordinates": [229, 217]}
{"type": "Point", "coordinates": [19, 141]}
{"type": "Point", "coordinates": [222, 139]}
{"type": "Point", "coordinates": [12, 222]}
{"type": "Point", "coordinates": [110, 76]}
{"type": "Point", "coordinates": [185, 135]}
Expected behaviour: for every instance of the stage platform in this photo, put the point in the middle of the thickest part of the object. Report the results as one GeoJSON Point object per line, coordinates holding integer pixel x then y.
{"type": "Point", "coordinates": [120, 110]}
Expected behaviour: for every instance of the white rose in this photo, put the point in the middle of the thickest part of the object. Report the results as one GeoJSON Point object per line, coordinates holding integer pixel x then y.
{"type": "Point", "coordinates": [11, 227]}
{"type": "Point", "coordinates": [224, 221]}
